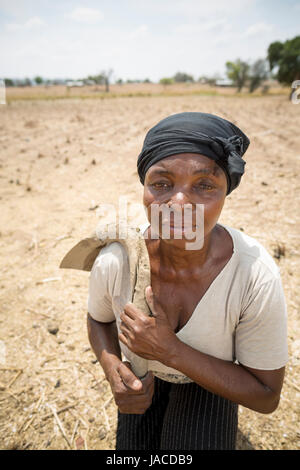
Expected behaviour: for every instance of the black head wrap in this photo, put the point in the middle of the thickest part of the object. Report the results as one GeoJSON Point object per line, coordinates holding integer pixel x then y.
{"type": "Point", "coordinates": [201, 133]}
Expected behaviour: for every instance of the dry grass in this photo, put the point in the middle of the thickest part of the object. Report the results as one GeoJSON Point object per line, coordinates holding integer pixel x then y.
{"type": "Point", "coordinates": [61, 158]}
{"type": "Point", "coordinates": [129, 90]}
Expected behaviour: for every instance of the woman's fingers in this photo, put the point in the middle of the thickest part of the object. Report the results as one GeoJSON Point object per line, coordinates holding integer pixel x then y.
{"type": "Point", "coordinates": [126, 320]}
{"type": "Point", "coordinates": [130, 310]}
{"type": "Point", "coordinates": [125, 340]}
{"type": "Point", "coordinates": [125, 330]}
{"type": "Point", "coordinates": [148, 380]}
{"type": "Point", "coordinates": [150, 299]}
{"type": "Point", "coordinates": [128, 377]}
{"type": "Point", "coordinates": [132, 395]}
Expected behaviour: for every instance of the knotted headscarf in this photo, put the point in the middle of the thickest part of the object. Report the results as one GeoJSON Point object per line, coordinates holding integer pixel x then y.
{"type": "Point", "coordinates": [202, 133]}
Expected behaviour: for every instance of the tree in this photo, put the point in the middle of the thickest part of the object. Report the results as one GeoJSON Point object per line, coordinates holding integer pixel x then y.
{"type": "Point", "coordinates": [9, 82]}
{"type": "Point", "coordinates": [209, 80]}
{"type": "Point", "coordinates": [103, 78]}
{"type": "Point", "coordinates": [38, 80]}
{"type": "Point", "coordinates": [285, 56]}
{"type": "Point", "coordinates": [107, 74]}
{"type": "Point", "coordinates": [98, 79]}
{"type": "Point", "coordinates": [274, 52]}
{"type": "Point", "coordinates": [166, 81]}
{"type": "Point", "coordinates": [237, 72]}
{"type": "Point", "coordinates": [258, 74]}
{"type": "Point", "coordinates": [183, 77]}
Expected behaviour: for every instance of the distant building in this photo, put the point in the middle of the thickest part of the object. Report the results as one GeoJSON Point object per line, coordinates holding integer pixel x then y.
{"type": "Point", "coordinates": [224, 82]}
{"type": "Point", "coordinates": [71, 83]}
{"type": "Point", "coordinates": [58, 81]}
{"type": "Point", "coordinates": [89, 82]}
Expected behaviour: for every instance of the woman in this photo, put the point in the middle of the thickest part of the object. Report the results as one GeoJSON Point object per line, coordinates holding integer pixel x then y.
{"type": "Point", "coordinates": [216, 336]}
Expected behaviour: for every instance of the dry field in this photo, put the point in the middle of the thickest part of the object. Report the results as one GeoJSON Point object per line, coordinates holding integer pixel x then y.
{"type": "Point", "coordinates": [133, 90]}
{"type": "Point", "coordinates": [60, 159]}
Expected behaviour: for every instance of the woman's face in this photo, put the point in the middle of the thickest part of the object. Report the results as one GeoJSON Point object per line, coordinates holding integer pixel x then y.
{"type": "Point", "coordinates": [183, 179]}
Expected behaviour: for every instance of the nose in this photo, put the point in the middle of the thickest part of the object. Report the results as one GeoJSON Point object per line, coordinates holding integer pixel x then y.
{"type": "Point", "coordinates": [179, 198]}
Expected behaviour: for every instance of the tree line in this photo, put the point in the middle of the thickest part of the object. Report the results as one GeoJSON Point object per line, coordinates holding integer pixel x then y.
{"type": "Point", "coordinates": [281, 63]}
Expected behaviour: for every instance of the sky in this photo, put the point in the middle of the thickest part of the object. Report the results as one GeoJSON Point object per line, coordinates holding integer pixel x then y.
{"type": "Point", "coordinates": [138, 39]}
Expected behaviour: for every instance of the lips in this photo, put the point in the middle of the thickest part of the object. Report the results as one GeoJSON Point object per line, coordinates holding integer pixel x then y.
{"type": "Point", "coordinates": [181, 222]}
{"type": "Point", "coordinates": [181, 227]}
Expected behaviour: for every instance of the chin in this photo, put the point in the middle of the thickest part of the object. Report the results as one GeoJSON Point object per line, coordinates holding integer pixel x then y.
{"type": "Point", "coordinates": [181, 237]}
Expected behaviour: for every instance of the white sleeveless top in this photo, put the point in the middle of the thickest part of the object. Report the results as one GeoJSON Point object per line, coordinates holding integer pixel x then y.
{"type": "Point", "coordinates": [242, 316]}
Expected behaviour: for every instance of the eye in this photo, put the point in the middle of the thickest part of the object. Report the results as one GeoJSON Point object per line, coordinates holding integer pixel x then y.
{"type": "Point", "coordinates": [205, 185]}
{"type": "Point", "coordinates": [160, 185]}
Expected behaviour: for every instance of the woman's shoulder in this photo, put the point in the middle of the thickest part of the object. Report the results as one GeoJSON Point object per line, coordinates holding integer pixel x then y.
{"type": "Point", "coordinates": [111, 256]}
{"type": "Point", "coordinates": [252, 254]}
{"type": "Point", "coordinates": [115, 253]}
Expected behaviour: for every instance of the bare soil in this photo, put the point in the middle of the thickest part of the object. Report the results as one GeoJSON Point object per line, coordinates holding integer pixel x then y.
{"type": "Point", "coordinates": [59, 159]}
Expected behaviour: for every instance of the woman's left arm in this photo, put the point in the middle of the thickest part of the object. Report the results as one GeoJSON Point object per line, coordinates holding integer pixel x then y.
{"type": "Point", "coordinates": [154, 339]}
{"type": "Point", "coordinates": [256, 389]}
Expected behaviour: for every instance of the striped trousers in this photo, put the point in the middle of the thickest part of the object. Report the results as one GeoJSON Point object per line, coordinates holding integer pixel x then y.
{"type": "Point", "coordinates": [181, 417]}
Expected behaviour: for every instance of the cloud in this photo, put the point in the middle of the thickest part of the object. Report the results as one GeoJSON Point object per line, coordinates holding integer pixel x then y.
{"type": "Point", "coordinates": [202, 26]}
{"type": "Point", "coordinates": [139, 32]}
{"type": "Point", "coordinates": [71, 43]}
{"type": "Point", "coordinates": [258, 28]}
{"type": "Point", "coordinates": [32, 23]}
{"type": "Point", "coordinates": [216, 24]}
{"type": "Point", "coordinates": [86, 15]}
{"type": "Point", "coordinates": [191, 8]}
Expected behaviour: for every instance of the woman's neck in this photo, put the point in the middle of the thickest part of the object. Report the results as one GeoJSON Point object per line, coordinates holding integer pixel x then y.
{"type": "Point", "coordinates": [175, 256]}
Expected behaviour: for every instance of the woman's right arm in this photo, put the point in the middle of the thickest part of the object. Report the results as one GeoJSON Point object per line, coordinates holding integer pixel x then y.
{"type": "Point", "coordinates": [132, 395]}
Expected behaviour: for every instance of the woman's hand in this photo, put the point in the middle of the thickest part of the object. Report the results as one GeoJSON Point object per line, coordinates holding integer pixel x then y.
{"type": "Point", "coordinates": [149, 337]}
{"type": "Point", "coordinates": [132, 395]}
